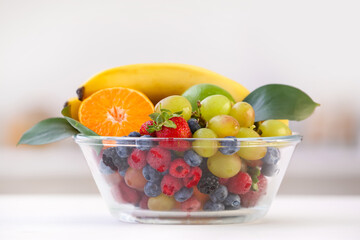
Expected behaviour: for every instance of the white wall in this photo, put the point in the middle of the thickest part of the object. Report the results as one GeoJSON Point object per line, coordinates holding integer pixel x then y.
{"type": "Point", "coordinates": [48, 48]}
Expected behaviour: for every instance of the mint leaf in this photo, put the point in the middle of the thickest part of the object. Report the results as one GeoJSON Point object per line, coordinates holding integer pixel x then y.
{"type": "Point", "coordinates": [170, 124]}
{"type": "Point", "coordinates": [165, 110]}
{"type": "Point", "coordinates": [48, 131]}
{"type": "Point", "coordinates": [278, 101]}
{"type": "Point", "coordinates": [154, 115]}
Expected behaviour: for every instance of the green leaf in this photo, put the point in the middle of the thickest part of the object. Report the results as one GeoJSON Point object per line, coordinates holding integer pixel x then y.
{"type": "Point", "coordinates": [278, 101]}
{"type": "Point", "coordinates": [66, 111]}
{"type": "Point", "coordinates": [170, 124]}
{"type": "Point", "coordinates": [81, 128]}
{"type": "Point", "coordinates": [154, 115]}
{"type": "Point", "coordinates": [165, 115]}
{"type": "Point", "coordinates": [165, 110]}
{"type": "Point", "coordinates": [48, 131]}
{"type": "Point", "coordinates": [76, 124]}
{"type": "Point", "coordinates": [160, 119]}
{"type": "Point", "coordinates": [178, 113]}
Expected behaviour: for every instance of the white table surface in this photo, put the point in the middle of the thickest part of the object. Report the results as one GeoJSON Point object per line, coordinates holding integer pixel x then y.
{"type": "Point", "coordinates": [86, 217]}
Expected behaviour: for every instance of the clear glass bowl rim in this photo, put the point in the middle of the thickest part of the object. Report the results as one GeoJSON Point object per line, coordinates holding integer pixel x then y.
{"type": "Point", "coordinates": [97, 140]}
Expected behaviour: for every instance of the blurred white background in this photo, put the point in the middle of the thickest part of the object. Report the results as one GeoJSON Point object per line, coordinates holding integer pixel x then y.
{"type": "Point", "coordinates": [49, 48]}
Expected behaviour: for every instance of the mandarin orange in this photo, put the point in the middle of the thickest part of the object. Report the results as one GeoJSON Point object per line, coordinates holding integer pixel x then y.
{"type": "Point", "coordinates": [115, 111]}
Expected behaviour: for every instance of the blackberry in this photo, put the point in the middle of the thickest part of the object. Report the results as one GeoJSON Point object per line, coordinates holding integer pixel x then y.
{"type": "Point", "coordinates": [108, 156]}
{"type": "Point", "coordinates": [208, 183]}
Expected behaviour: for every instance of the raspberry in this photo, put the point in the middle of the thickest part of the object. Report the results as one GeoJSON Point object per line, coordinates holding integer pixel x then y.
{"type": "Point", "coordinates": [170, 185]}
{"type": "Point", "coordinates": [240, 183]}
{"type": "Point", "coordinates": [190, 205]}
{"type": "Point", "coordinates": [159, 158]}
{"type": "Point", "coordinates": [143, 128]}
{"type": "Point", "coordinates": [178, 168]}
{"type": "Point", "coordinates": [208, 183]}
{"type": "Point", "coordinates": [144, 202]}
{"type": "Point", "coordinates": [193, 177]}
{"type": "Point", "coordinates": [137, 159]}
{"type": "Point", "coordinates": [251, 198]}
{"type": "Point", "coordinates": [123, 193]}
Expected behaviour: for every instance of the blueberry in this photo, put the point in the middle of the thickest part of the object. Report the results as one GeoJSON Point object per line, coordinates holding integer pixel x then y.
{"type": "Point", "coordinates": [219, 195]}
{"type": "Point", "coordinates": [106, 170]}
{"type": "Point", "coordinates": [193, 125]}
{"type": "Point", "coordinates": [232, 202]}
{"type": "Point", "coordinates": [121, 163]}
{"type": "Point", "coordinates": [269, 169]}
{"type": "Point", "coordinates": [125, 148]}
{"type": "Point", "coordinates": [192, 158]}
{"type": "Point", "coordinates": [152, 189]}
{"type": "Point", "coordinates": [144, 143]}
{"type": "Point", "coordinates": [134, 134]}
{"type": "Point", "coordinates": [151, 174]}
{"type": "Point", "coordinates": [272, 155]}
{"type": "Point", "coordinates": [122, 172]}
{"type": "Point", "coordinates": [210, 206]}
{"type": "Point", "coordinates": [229, 147]}
{"type": "Point", "coordinates": [183, 194]}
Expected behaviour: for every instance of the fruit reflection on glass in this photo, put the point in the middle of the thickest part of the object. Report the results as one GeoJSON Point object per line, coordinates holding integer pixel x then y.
{"type": "Point", "coordinates": [204, 146]}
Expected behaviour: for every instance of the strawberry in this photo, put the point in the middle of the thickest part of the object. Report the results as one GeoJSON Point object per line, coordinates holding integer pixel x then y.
{"type": "Point", "coordinates": [171, 125]}
{"type": "Point", "coordinates": [144, 128]}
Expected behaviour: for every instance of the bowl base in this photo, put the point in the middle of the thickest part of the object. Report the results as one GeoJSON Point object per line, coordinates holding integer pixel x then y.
{"type": "Point", "coordinates": [221, 217]}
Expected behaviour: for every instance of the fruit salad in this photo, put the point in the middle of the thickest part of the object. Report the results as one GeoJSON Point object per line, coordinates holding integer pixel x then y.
{"type": "Point", "coordinates": [176, 137]}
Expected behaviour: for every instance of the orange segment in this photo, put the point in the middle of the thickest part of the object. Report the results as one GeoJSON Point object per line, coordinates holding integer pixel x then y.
{"type": "Point", "coordinates": [115, 111]}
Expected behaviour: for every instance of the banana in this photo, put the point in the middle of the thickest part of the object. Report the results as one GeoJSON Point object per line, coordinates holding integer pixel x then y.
{"type": "Point", "coordinates": [74, 104]}
{"type": "Point", "coordinates": [159, 80]}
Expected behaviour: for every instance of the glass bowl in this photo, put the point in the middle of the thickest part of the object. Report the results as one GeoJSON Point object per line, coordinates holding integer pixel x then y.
{"type": "Point", "coordinates": [248, 169]}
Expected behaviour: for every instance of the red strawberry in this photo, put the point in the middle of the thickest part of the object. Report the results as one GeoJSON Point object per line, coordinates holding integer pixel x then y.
{"type": "Point", "coordinates": [144, 127]}
{"type": "Point", "coordinates": [182, 130]}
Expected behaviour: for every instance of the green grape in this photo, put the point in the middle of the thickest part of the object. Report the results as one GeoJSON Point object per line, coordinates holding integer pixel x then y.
{"type": "Point", "coordinates": [175, 104]}
{"type": "Point", "coordinates": [274, 128]}
{"type": "Point", "coordinates": [224, 126]}
{"type": "Point", "coordinates": [161, 203]}
{"type": "Point", "coordinates": [203, 147]}
{"type": "Point", "coordinates": [250, 150]}
{"type": "Point", "coordinates": [224, 166]}
{"type": "Point", "coordinates": [215, 105]}
{"type": "Point", "coordinates": [243, 113]}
